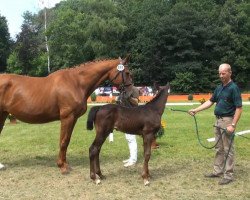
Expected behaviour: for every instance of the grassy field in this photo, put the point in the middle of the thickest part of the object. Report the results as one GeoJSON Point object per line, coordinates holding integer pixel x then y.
{"type": "Point", "coordinates": [177, 167]}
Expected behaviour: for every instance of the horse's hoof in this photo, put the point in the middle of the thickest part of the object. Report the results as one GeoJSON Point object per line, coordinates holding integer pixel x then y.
{"type": "Point", "coordinates": [146, 182]}
{"type": "Point", "coordinates": [65, 171]}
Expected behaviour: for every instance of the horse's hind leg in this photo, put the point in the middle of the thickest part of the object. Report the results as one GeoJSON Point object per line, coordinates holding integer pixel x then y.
{"type": "Point", "coordinates": [3, 116]}
{"type": "Point", "coordinates": [94, 152]}
{"type": "Point", "coordinates": [147, 140]}
{"type": "Point", "coordinates": [97, 158]}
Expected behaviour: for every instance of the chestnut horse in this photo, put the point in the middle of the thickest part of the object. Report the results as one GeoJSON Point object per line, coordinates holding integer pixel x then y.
{"type": "Point", "coordinates": [62, 95]}
{"type": "Point", "coordinates": [144, 120]}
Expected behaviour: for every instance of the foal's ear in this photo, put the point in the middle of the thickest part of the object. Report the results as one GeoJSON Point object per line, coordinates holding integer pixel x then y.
{"type": "Point", "coordinates": [126, 60]}
{"type": "Point", "coordinates": [168, 87]}
{"type": "Point", "coordinates": [156, 86]}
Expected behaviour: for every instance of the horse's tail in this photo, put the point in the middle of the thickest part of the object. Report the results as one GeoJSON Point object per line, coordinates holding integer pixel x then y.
{"type": "Point", "coordinates": [91, 117]}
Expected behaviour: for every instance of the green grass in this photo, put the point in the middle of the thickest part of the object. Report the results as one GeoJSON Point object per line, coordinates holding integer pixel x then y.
{"type": "Point", "coordinates": [177, 167]}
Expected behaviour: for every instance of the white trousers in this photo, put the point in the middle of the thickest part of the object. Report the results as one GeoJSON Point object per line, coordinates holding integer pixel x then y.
{"type": "Point", "coordinates": [132, 145]}
{"type": "Point", "coordinates": [2, 166]}
{"type": "Point", "coordinates": [111, 137]}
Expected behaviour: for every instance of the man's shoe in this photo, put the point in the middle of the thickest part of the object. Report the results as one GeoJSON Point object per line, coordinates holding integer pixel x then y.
{"type": "Point", "coordinates": [225, 181]}
{"type": "Point", "coordinates": [2, 167]}
{"type": "Point", "coordinates": [129, 164]}
{"type": "Point", "coordinates": [212, 175]}
{"type": "Point", "coordinates": [125, 161]}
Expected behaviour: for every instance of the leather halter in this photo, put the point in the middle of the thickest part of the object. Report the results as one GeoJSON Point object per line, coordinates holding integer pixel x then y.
{"type": "Point", "coordinates": [123, 85]}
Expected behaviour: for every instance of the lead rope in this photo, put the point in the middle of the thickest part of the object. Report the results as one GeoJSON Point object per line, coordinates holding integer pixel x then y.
{"type": "Point", "coordinates": [197, 131]}
{"type": "Point", "coordinates": [230, 145]}
{"type": "Point", "coordinates": [224, 131]}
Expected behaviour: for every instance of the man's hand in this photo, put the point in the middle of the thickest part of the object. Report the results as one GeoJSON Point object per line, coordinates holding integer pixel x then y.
{"type": "Point", "coordinates": [192, 112]}
{"type": "Point", "coordinates": [230, 129]}
{"type": "Point", "coordinates": [134, 101]}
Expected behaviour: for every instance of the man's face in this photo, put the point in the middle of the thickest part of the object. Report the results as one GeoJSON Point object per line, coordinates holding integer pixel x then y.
{"type": "Point", "coordinates": [225, 75]}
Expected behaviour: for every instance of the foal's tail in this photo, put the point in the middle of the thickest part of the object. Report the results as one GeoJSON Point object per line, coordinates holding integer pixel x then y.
{"type": "Point", "coordinates": [91, 117]}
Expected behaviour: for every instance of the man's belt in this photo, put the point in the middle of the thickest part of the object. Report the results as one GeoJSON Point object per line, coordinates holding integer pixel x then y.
{"type": "Point", "coordinates": [222, 116]}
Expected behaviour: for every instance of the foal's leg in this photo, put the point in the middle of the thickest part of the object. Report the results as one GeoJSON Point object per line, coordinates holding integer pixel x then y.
{"type": "Point", "coordinates": [147, 140]}
{"type": "Point", "coordinates": [97, 157]}
{"type": "Point", "coordinates": [94, 152]}
{"type": "Point", "coordinates": [67, 125]}
{"type": "Point", "coordinates": [3, 116]}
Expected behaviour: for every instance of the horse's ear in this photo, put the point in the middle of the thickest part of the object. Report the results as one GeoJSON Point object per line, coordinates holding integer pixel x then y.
{"type": "Point", "coordinates": [120, 59]}
{"type": "Point", "coordinates": [126, 60]}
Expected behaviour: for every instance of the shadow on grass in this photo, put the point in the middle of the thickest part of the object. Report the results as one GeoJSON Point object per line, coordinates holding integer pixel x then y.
{"type": "Point", "coordinates": [50, 160]}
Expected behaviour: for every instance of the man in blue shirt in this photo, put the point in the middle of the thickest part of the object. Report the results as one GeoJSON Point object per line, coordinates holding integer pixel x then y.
{"type": "Point", "coordinates": [228, 110]}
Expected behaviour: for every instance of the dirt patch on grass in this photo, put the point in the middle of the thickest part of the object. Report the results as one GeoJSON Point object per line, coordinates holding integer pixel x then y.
{"type": "Point", "coordinates": [170, 180]}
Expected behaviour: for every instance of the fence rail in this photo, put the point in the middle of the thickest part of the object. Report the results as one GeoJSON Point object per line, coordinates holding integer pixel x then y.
{"type": "Point", "coordinates": [171, 98]}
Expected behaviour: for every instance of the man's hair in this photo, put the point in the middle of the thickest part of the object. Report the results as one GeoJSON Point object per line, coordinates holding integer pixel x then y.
{"type": "Point", "coordinates": [225, 66]}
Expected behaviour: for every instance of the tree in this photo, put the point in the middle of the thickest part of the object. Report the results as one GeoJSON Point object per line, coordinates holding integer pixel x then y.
{"type": "Point", "coordinates": [172, 41]}
{"type": "Point", "coordinates": [84, 30]}
{"type": "Point", "coordinates": [4, 43]}
{"type": "Point", "coordinates": [234, 38]}
{"type": "Point", "coordinates": [28, 56]}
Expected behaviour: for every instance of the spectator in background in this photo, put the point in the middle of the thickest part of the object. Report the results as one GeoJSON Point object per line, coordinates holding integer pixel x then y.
{"type": "Point", "coordinates": [130, 98]}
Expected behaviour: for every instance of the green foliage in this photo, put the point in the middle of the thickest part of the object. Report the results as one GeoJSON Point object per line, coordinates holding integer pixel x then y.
{"type": "Point", "coordinates": [14, 64]}
{"type": "Point", "coordinates": [4, 43]}
{"type": "Point", "coordinates": [170, 41]}
{"type": "Point", "coordinates": [160, 133]}
{"type": "Point", "coordinates": [28, 57]}
{"type": "Point", "coordinates": [84, 30]}
{"type": "Point", "coordinates": [190, 97]}
{"type": "Point", "coordinates": [183, 82]}
{"type": "Point", "coordinates": [93, 96]}
{"type": "Point", "coordinates": [10, 117]}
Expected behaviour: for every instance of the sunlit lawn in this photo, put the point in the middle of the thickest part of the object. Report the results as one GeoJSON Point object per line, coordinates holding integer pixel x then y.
{"type": "Point", "coordinates": [177, 167]}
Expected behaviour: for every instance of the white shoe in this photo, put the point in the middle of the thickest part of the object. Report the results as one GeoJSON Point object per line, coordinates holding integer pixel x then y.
{"type": "Point", "coordinates": [2, 167]}
{"type": "Point", "coordinates": [129, 164]}
{"type": "Point", "coordinates": [125, 161]}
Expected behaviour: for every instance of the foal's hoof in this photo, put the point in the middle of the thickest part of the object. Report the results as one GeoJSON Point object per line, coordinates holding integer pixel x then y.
{"type": "Point", "coordinates": [146, 182]}
{"type": "Point", "coordinates": [97, 181]}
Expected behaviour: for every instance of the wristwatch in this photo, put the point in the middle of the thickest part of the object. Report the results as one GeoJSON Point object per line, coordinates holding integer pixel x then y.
{"type": "Point", "coordinates": [233, 125]}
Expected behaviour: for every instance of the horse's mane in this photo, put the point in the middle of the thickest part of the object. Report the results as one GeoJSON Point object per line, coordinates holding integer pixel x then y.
{"type": "Point", "coordinates": [79, 66]}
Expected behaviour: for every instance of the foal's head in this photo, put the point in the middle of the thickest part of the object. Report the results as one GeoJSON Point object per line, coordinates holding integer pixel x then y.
{"type": "Point", "coordinates": [120, 74]}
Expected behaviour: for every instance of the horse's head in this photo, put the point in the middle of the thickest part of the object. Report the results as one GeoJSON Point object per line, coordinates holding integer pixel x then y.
{"type": "Point", "coordinates": [120, 74]}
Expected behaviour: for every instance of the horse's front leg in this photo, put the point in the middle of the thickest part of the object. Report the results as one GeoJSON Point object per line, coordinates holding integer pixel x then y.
{"type": "Point", "coordinates": [147, 140]}
{"type": "Point", "coordinates": [67, 125]}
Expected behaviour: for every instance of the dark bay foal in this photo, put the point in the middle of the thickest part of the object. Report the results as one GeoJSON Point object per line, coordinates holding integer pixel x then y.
{"type": "Point", "coordinates": [144, 120]}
